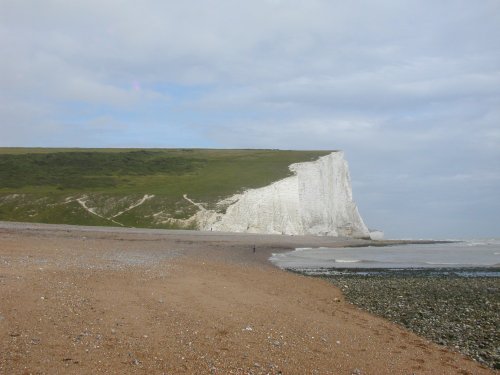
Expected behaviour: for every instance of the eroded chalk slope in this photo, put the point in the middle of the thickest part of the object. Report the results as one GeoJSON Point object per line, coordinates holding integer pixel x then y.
{"type": "Point", "coordinates": [316, 200]}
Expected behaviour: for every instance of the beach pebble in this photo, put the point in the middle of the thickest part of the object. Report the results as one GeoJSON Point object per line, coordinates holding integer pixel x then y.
{"type": "Point", "coordinates": [458, 312]}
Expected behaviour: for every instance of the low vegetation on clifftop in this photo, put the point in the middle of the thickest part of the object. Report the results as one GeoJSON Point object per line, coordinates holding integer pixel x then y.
{"type": "Point", "coordinates": [131, 187]}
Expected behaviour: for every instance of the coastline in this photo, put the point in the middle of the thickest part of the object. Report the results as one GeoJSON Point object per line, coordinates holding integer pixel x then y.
{"type": "Point", "coordinates": [454, 307]}
{"type": "Point", "coordinates": [90, 299]}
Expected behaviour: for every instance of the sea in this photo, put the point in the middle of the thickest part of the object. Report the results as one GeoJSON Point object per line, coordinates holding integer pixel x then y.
{"type": "Point", "coordinates": [466, 258]}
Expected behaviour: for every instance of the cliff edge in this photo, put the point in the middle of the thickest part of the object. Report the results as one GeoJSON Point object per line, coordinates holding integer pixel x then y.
{"type": "Point", "coordinates": [316, 200]}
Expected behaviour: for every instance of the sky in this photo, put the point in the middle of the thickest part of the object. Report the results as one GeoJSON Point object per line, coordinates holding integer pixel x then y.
{"type": "Point", "coordinates": [410, 90]}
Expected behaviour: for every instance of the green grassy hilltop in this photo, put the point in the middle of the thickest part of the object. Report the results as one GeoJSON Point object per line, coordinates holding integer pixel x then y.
{"type": "Point", "coordinates": [131, 187]}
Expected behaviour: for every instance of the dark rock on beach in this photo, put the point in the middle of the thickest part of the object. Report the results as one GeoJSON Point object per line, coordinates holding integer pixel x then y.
{"type": "Point", "coordinates": [459, 312]}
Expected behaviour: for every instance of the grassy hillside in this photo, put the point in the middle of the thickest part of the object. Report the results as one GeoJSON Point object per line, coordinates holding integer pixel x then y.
{"type": "Point", "coordinates": [115, 186]}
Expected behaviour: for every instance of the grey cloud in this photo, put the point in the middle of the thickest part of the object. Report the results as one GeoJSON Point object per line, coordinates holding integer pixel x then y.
{"type": "Point", "coordinates": [410, 90]}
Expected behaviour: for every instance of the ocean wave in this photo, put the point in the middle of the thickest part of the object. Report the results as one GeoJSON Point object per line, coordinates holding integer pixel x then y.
{"type": "Point", "coordinates": [483, 242]}
{"type": "Point", "coordinates": [368, 262]}
{"type": "Point", "coordinates": [443, 264]}
{"type": "Point", "coordinates": [474, 253]}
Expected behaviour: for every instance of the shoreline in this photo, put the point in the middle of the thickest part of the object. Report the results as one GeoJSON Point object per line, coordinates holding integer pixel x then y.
{"type": "Point", "coordinates": [266, 244]}
{"type": "Point", "coordinates": [459, 271]}
{"type": "Point", "coordinates": [83, 300]}
{"type": "Point", "coordinates": [441, 304]}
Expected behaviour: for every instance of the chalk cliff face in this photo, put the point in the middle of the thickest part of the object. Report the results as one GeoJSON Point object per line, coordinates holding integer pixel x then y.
{"type": "Point", "coordinates": [316, 200]}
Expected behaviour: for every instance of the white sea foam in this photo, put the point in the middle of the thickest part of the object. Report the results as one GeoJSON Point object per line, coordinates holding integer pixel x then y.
{"type": "Point", "coordinates": [443, 264]}
{"type": "Point", "coordinates": [480, 254]}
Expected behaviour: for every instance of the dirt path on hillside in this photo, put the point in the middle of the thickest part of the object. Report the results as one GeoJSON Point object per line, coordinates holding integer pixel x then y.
{"type": "Point", "coordinates": [79, 301]}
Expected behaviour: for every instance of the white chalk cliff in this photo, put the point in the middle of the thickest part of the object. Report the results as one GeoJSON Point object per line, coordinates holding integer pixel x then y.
{"type": "Point", "coordinates": [316, 200]}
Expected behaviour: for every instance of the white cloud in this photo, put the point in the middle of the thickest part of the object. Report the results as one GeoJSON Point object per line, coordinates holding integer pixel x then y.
{"type": "Point", "coordinates": [403, 87]}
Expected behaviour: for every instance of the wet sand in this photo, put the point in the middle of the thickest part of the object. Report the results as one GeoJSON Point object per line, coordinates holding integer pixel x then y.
{"type": "Point", "coordinates": [81, 300]}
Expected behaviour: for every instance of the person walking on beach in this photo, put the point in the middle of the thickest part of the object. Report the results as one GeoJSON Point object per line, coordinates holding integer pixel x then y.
{"type": "Point", "coordinates": [254, 248]}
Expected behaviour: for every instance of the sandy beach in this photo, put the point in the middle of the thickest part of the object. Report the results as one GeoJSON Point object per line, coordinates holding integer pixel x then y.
{"type": "Point", "coordinates": [80, 300]}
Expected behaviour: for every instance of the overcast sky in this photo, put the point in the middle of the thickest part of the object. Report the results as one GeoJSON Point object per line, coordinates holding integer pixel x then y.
{"type": "Point", "coordinates": [410, 90]}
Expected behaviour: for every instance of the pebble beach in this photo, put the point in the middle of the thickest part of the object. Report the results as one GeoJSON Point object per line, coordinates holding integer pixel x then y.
{"type": "Point", "coordinates": [453, 308]}
{"type": "Point", "coordinates": [80, 300]}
